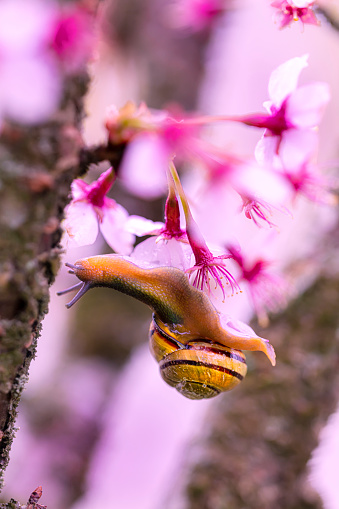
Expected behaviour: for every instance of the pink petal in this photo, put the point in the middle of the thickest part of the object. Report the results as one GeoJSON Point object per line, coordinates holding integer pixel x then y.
{"type": "Point", "coordinates": [236, 327]}
{"type": "Point", "coordinates": [113, 228]}
{"type": "Point", "coordinates": [144, 166]}
{"type": "Point", "coordinates": [310, 18]}
{"type": "Point", "coordinates": [78, 188]}
{"type": "Point", "coordinates": [297, 146]}
{"type": "Point", "coordinates": [278, 3]}
{"type": "Point", "coordinates": [264, 184]}
{"type": "Point", "coordinates": [81, 223]}
{"type": "Point", "coordinates": [284, 79]}
{"type": "Point", "coordinates": [305, 105]}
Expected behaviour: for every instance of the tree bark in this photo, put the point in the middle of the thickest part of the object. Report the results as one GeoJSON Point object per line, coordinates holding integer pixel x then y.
{"type": "Point", "coordinates": [263, 433]}
{"type": "Point", "coordinates": [37, 165]}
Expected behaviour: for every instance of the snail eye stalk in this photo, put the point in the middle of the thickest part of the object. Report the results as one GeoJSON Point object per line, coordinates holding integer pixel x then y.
{"type": "Point", "coordinates": [83, 288]}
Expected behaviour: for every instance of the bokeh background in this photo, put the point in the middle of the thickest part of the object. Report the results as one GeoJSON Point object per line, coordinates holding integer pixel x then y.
{"type": "Point", "coordinates": [97, 425]}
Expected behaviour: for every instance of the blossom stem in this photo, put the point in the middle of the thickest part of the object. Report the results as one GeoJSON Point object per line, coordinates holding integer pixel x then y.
{"type": "Point", "coordinates": [255, 119]}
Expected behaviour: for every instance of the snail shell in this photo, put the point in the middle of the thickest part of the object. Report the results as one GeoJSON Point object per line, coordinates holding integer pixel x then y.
{"type": "Point", "coordinates": [198, 369]}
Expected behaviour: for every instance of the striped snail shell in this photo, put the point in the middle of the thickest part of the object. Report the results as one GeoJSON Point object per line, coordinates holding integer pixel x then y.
{"type": "Point", "coordinates": [198, 369]}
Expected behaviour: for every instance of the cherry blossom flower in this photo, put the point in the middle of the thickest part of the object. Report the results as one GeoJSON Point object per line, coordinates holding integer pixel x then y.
{"type": "Point", "coordinates": [259, 189]}
{"type": "Point", "coordinates": [258, 212]}
{"type": "Point", "coordinates": [91, 210]}
{"type": "Point", "coordinates": [168, 244]}
{"type": "Point", "coordinates": [267, 291]}
{"type": "Point", "coordinates": [305, 180]}
{"type": "Point", "coordinates": [72, 37]}
{"type": "Point", "coordinates": [210, 268]}
{"type": "Point", "coordinates": [152, 138]}
{"type": "Point", "coordinates": [293, 113]}
{"type": "Point", "coordinates": [125, 123]}
{"type": "Point", "coordinates": [294, 10]}
{"type": "Point", "coordinates": [207, 267]}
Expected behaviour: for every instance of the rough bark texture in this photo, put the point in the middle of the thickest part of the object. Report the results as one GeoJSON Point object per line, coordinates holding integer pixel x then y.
{"type": "Point", "coordinates": [263, 433]}
{"type": "Point", "coordinates": [171, 62]}
{"type": "Point", "coordinates": [37, 165]}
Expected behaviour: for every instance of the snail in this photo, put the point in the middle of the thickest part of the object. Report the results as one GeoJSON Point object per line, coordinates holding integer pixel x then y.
{"type": "Point", "coordinates": [199, 350]}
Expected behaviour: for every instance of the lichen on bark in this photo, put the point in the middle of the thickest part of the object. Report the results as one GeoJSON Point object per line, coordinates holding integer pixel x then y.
{"type": "Point", "coordinates": [37, 165]}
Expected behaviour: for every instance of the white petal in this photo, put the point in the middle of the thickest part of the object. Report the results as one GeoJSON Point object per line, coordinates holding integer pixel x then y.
{"type": "Point", "coordinates": [168, 253]}
{"type": "Point", "coordinates": [268, 106]}
{"type": "Point", "coordinates": [81, 223]}
{"type": "Point", "coordinates": [141, 226]}
{"type": "Point", "coordinates": [78, 187]}
{"type": "Point", "coordinates": [284, 79]}
{"type": "Point", "coordinates": [236, 327]}
{"type": "Point", "coordinates": [301, 3]}
{"type": "Point", "coordinates": [113, 228]}
{"type": "Point", "coordinates": [306, 104]}
{"type": "Point", "coordinates": [143, 169]}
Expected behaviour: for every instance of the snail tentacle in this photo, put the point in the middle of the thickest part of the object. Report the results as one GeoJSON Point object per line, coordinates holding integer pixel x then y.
{"type": "Point", "coordinates": [71, 288]}
{"type": "Point", "coordinates": [83, 288]}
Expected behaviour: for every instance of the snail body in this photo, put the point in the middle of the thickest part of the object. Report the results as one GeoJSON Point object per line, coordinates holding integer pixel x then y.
{"type": "Point", "coordinates": [198, 352]}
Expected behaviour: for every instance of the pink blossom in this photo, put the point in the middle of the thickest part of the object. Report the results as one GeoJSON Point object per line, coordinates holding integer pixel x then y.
{"type": "Point", "coordinates": [207, 267]}
{"type": "Point", "coordinates": [258, 212]}
{"type": "Point", "coordinates": [72, 37]}
{"type": "Point", "coordinates": [305, 180]}
{"type": "Point", "coordinates": [209, 273]}
{"type": "Point", "coordinates": [260, 189]}
{"type": "Point", "coordinates": [267, 290]}
{"type": "Point", "coordinates": [163, 248]}
{"type": "Point", "coordinates": [171, 229]}
{"type": "Point", "coordinates": [294, 10]}
{"type": "Point", "coordinates": [152, 137]}
{"type": "Point", "coordinates": [293, 113]}
{"type": "Point", "coordinates": [90, 209]}
{"type": "Point", "coordinates": [124, 124]}
{"type": "Point", "coordinates": [168, 245]}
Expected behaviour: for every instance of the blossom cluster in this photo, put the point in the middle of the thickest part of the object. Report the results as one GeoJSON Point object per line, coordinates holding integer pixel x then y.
{"type": "Point", "coordinates": [294, 10]}
{"type": "Point", "coordinates": [40, 43]}
{"type": "Point", "coordinates": [283, 167]}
